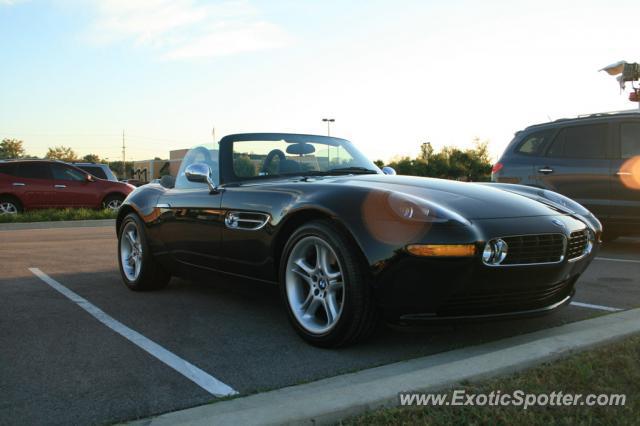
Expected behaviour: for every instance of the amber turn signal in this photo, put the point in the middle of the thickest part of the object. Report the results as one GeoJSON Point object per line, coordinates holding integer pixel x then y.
{"type": "Point", "coordinates": [442, 250]}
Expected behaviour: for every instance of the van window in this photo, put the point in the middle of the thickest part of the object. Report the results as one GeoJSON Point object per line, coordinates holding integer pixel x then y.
{"type": "Point", "coordinates": [34, 170]}
{"type": "Point", "coordinates": [7, 168]}
{"type": "Point", "coordinates": [62, 172]}
{"type": "Point", "coordinates": [534, 144]}
{"type": "Point", "coordinates": [588, 141]}
{"type": "Point", "coordinates": [94, 170]}
{"type": "Point", "coordinates": [629, 139]}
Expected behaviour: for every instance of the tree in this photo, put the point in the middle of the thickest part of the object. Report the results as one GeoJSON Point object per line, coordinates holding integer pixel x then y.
{"type": "Point", "coordinates": [449, 163]}
{"type": "Point", "coordinates": [116, 167]}
{"type": "Point", "coordinates": [62, 153]}
{"type": "Point", "coordinates": [426, 151]}
{"type": "Point", "coordinates": [11, 148]}
{"type": "Point", "coordinates": [92, 158]}
{"type": "Point", "coordinates": [243, 166]}
{"type": "Point", "coordinates": [379, 163]}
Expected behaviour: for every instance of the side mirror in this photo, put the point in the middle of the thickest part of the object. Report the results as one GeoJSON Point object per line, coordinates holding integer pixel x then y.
{"type": "Point", "coordinates": [201, 173]}
{"type": "Point", "coordinates": [388, 170]}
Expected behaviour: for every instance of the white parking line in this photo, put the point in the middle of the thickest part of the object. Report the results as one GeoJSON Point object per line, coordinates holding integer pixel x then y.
{"type": "Point", "coordinates": [617, 260]}
{"type": "Point", "coordinates": [190, 371]}
{"type": "Point", "coordinates": [598, 307]}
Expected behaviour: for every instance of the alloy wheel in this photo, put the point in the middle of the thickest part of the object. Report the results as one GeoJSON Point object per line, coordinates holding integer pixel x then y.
{"type": "Point", "coordinates": [114, 204]}
{"type": "Point", "coordinates": [7, 207]}
{"type": "Point", "coordinates": [131, 251]}
{"type": "Point", "coordinates": [314, 285]}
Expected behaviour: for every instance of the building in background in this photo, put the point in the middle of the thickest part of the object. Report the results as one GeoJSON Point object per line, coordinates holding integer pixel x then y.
{"type": "Point", "coordinates": [147, 170]}
{"type": "Point", "coordinates": [144, 171]}
{"type": "Point", "coordinates": [175, 158]}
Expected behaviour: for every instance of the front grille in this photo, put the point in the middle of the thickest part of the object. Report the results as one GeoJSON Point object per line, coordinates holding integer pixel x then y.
{"type": "Point", "coordinates": [515, 298]}
{"type": "Point", "coordinates": [529, 249]}
{"type": "Point", "coordinates": [577, 244]}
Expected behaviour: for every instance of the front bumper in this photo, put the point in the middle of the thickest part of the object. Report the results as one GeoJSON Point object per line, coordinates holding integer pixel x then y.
{"type": "Point", "coordinates": [413, 287]}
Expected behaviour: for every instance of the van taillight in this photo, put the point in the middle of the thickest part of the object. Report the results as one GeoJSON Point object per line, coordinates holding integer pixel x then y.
{"type": "Point", "coordinates": [496, 168]}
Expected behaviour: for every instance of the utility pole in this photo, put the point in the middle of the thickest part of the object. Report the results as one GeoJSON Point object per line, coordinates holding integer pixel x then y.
{"type": "Point", "coordinates": [329, 121]}
{"type": "Point", "coordinates": [124, 163]}
{"type": "Point", "coordinates": [213, 135]}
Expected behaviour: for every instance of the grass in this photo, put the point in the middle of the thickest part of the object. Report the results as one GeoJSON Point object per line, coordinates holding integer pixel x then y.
{"type": "Point", "coordinates": [46, 215]}
{"type": "Point", "coordinates": [614, 369]}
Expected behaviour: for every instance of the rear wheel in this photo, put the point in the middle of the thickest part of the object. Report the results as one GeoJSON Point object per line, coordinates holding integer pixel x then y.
{"type": "Point", "coordinates": [9, 205]}
{"type": "Point", "coordinates": [139, 269]}
{"type": "Point", "coordinates": [113, 202]}
{"type": "Point", "coordinates": [324, 287]}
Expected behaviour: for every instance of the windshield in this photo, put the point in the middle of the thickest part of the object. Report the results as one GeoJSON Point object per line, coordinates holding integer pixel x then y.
{"type": "Point", "coordinates": [297, 155]}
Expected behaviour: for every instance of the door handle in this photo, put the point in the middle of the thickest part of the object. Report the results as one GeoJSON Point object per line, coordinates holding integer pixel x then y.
{"type": "Point", "coordinates": [18, 184]}
{"type": "Point", "coordinates": [59, 186]}
{"type": "Point", "coordinates": [545, 170]}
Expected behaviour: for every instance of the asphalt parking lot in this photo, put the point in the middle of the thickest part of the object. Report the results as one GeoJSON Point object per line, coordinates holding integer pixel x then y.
{"type": "Point", "coordinates": [60, 365]}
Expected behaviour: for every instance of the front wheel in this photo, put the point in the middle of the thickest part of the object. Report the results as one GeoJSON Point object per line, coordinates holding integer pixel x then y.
{"type": "Point", "coordinates": [325, 287]}
{"type": "Point", "coordinates": [139, 269]}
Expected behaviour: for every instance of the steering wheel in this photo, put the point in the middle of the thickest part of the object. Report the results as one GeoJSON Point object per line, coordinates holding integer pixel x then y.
{"type": "Point", "coordinates": [269, 158]}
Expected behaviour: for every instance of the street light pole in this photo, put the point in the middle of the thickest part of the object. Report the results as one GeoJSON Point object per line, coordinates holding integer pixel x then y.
{"type": "Point", "coordinates": [328, 121]}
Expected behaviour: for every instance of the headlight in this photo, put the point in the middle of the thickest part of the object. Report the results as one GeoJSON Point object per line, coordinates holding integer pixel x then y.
{"type": "Point", "coordinates": [412, 208]}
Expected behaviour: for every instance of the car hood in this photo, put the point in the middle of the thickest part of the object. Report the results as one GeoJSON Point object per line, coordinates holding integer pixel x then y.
{"type": "Point", "coordinates": [470, 200]}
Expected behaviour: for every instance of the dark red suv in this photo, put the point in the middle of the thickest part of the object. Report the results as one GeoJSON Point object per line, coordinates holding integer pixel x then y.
{"type": "Point", "coordinates": [37, 184]}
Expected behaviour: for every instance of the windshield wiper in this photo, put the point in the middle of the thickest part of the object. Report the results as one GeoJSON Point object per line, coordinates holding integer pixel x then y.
{"type": "Point", "coordinates": [336, 171]}
{"type": "Point", "coordinates": [352, 170]}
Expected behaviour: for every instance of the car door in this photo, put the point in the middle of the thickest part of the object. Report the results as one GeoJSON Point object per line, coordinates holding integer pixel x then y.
{"type": "Point", "coordinates": [625, 172]}
{"type": "Point", "coordinates": [32, 184]}
{"type": "Point", "coordinates": [577, 165]}
{"type": "Point", "coordinates": [517, 165]}
{"type": "Point", "coordinates": [191, 216]}
{"type": "Point", "coordinates": [72, 188]}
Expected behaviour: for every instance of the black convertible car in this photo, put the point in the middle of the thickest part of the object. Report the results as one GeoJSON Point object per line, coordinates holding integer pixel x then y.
{"type": "Point", "coordinates": [349, 244]}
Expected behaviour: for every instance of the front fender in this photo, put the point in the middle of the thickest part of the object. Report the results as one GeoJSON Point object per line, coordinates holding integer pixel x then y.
{"type": "Point", "coordinates": [378, 231]}
{"type": "Point", "coordinates": [142, 201]}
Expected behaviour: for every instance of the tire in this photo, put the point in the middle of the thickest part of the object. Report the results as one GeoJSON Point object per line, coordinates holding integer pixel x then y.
{"type": "Point", "coordinates": [113, 201]}
{"type": "Point", "coordinates": [143, 273]}
{"type": "Point", "coordinates": [10, 205]}
{"type": "Point", "coordinates": [337, 298]}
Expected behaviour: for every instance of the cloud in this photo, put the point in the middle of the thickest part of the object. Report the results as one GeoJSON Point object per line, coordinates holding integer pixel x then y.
{"type": "Point", "coordinates": [182, 29]}
{"type": "Point", "coordinates": [9, 2]}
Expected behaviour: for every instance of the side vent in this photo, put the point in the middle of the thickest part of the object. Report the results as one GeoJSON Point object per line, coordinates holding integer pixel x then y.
{"type": "Point", "coordinates": [246, 221]}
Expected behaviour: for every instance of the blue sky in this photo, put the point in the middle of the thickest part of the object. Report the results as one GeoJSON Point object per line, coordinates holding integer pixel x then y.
{"type": "Point", "coordinates": [392, 73]}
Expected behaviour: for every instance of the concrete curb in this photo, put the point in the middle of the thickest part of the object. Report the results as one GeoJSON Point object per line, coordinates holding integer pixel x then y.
{"type": "Point", "coordinates": [57, 224]}
{"type": "Point", "coordinates": [332, 399]}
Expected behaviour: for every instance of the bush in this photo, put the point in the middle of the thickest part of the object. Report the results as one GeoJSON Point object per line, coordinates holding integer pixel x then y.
{"type": "Point", "coordinates": [47, 215]}
{"type": "Point", "coordinates": [473, 164]}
